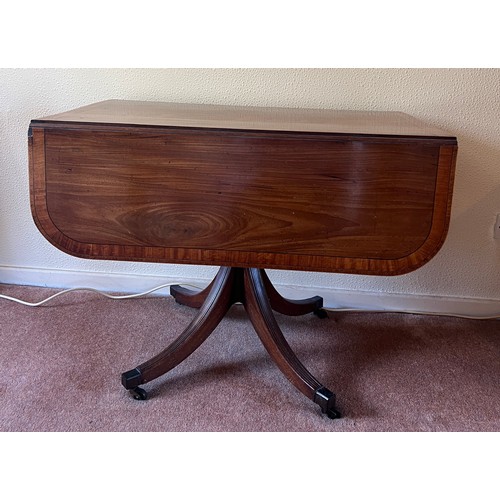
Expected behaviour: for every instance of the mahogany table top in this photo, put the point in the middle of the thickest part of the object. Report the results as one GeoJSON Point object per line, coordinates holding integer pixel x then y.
{"type": "Point", "coordinates": [316, 190]}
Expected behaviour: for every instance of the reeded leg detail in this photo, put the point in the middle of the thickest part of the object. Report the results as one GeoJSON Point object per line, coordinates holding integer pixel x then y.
{"type": "Point", "coordinates": [260, 312]}
{"type": "Point", "coordinates": [252, 288]}
{"type": "Point", "coordinates": [210, 314]}
{"type": "Point", "coordinates": [190, 298]}
{"type": "Point", "coordinates": [291, 307]}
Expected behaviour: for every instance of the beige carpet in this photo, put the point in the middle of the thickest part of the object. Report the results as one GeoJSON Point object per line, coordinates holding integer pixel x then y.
{"type": "Point", "coordinates": [60, 367]}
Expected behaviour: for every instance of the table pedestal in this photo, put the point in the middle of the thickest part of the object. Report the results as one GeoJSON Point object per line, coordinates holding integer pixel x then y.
{"type": "Point", "coordinates": [253, 289]}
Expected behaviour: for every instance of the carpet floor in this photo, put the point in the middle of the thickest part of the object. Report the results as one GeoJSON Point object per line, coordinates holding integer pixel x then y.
{"type": "Point", "coordinates": [60, 367]}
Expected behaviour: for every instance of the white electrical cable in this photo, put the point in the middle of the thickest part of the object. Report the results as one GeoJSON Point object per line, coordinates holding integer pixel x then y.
{"type": "Point", "coordinates": [115, 297]}
{"type": "Point", "coordinates": [142, 294]}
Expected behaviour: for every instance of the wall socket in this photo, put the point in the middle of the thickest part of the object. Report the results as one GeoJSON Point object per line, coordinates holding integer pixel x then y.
{"type": "Point", "coordinates": [496, 231]}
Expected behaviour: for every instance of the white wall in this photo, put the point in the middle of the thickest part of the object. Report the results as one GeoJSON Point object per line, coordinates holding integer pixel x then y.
{"type": "Point", "coordinates": [465, 102]}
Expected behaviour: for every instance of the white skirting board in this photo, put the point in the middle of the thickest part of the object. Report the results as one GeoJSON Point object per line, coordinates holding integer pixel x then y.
{"type": "Point", "coordinates": [333, 298]}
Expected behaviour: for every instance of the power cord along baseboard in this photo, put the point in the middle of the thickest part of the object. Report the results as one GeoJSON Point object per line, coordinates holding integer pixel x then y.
{"type": "Point", "coordinates": [94, 290]}
{"type": "Point", "coordinates": [152, 290]}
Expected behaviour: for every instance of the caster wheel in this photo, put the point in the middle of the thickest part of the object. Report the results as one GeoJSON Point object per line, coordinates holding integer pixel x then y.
{"type": "Point", "coordinates": [139, 394]}
{"type": "Point", "coordinates": [333, 414]}
{"type": "Point", "coordinates": [321, 313]}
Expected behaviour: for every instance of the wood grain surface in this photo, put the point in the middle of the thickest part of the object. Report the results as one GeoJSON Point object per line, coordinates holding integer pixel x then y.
{"type": "Point", "coordinates": [245, 198]}
{"type": "Point", "coordinates": [189, 115]}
